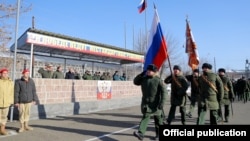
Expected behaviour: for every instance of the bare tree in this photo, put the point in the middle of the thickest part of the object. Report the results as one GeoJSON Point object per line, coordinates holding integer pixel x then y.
{"type": "Point", "coordinates": [8, 12]}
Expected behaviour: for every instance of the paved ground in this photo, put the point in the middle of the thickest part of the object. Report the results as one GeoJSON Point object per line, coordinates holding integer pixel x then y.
{"type": "Point", "coordinates": [111, 125]}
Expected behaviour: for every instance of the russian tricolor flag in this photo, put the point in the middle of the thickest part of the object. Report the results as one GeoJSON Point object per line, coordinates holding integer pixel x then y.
{"type": "Point", "coordinates": [157, 47]}
{"type": "Point", "coordinates": [142, 6]}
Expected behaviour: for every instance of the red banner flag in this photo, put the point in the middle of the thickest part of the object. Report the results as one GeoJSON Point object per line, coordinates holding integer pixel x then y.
{"type": "Point", "coordinates": [191, 48]}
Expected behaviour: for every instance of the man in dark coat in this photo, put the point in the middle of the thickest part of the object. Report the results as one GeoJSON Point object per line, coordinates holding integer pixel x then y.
{"type": "Point", "coordinates": [193, 79]}
{"type": "Point", "coordinates": [211, 93]}
{"type": "Point", "coordinates": [228, 94]}
{"type": "Point", "coordinates": [153, 98]}
{"type": "Point", "coordinates": [179, 86]}
{"type": "Point", "coordinates": [24, 96]}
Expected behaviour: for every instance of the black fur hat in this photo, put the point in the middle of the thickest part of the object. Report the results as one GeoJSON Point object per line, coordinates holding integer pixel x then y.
{"type": "Point", "coordinates": [152, 67]}
{"type": "Point", "coordinates": [176, 67]}
{"type": "Point", "coordinates": [207, 65]}
{"type": "Point", "coordinates": [196, 70]}
{"type": "Point", "coordinates": [222, 70]}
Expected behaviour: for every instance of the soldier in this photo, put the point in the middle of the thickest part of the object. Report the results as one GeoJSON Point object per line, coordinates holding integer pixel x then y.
{"type": "Point", "coordinates": [87, 75]}
{"type": "Point", "coordinates": [153, 99]}
{"type": "Point", "coordinates": [179, 86]}
{"type": "Point", "coordinates": [6, 99]}
{"type": "Point", "coordinates": [242, 88]}
{"type": "Point", "coordinates": [193, 79]}
{"type": "Point", "coordinates": [47, 72]}
{"type": "Point", "coordinates": [228, 94]}
{"type": "Point", "coordinates": [211, 93]}
{"type": "Point", "coordinates": [58, 74]}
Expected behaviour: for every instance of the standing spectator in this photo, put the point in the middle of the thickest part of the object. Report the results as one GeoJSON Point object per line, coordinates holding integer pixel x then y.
{"type": "Point", "coordinates": [77, 75]}
{"type": "Point", "coordinates": [179, 86]}
{"type": "Point", "coordinates": [228, 95]}
{"type": "Point", "coordinates": [87, 75]}
{"type": "Point", "coordinates": [70, 74]}
{"type": "Point", "coordinates": [108, 77]}
{"type": "Point", "coordinates": [6, 99]}
{"type": "Point", "coordinates": [116, 76]}
{"type": "Point", "coordinates": [103, 76]}
{"type": "Point", "coordinates": [24, 96]}
{"type": "Point", "coordinates": [153, 99]}
{"type": "Point", "coordinates": [193, 79]}
{"type": "Point", "coordinates": [47, 72]}
{"type": "Point", "coordinates": [123, 77]}
{"type": "Point", "coordinates": [58, 74]}
{"type": "Point", "coordinates": [211, 93]}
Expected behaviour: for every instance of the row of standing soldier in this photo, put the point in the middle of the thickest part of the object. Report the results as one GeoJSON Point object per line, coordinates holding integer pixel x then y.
{"type": "Point", "coordinates": [209, 89]}
{"type": "Point", "coordinates": [48, 72]}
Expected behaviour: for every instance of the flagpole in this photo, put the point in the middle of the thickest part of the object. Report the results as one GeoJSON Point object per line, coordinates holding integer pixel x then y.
{"type": "Point", "coordinates": [146, 33]}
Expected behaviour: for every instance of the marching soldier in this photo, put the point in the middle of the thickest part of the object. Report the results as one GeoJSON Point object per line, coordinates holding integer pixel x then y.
{"type": "Point", "coordinates": [179, 86]}
{"type": "Point", "coordinates": [211, 93]}
{"type": "Point", "coordinates": [153, 98]}
{"type": "Point", "coordinates": [228, 94]}
{"type": "Point", "coordinates": [193, 79]}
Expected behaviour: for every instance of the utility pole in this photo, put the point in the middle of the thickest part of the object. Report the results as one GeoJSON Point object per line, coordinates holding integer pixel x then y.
{"type": "Point", "coordinates": [247, 68]}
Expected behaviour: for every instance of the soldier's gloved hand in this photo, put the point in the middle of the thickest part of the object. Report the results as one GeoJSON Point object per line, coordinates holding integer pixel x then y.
{"type": "Point", "coordinates": [143, 73]}
{"type": "Point", "coordinates": [231, 99]}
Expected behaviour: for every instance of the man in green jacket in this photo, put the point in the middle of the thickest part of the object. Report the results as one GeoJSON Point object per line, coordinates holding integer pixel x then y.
{"type": "Point", "coordinates": [211, 93]}
{"type": "Point", "coordinates": [179, 86]}
{"type": "Point", "coordinates": [228, 94]}
{"type": "Point", "coordinates": [153, 98]}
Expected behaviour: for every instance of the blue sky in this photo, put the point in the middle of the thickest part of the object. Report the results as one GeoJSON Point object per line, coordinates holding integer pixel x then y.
{"type": "Point", "coordinates": [220, 27]}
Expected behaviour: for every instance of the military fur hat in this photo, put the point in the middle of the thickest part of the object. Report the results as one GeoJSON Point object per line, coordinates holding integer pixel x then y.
{"type": "Point", "coordinates": [176, 67]}
{"type": "Point", "coordinates": [152, 67]}
{"type": "Point", "coordinates": [196, 70]}
{"type": "Point", "coordinates": [222, 70]}
{"type": "Point", "coordinates": [207, 65]}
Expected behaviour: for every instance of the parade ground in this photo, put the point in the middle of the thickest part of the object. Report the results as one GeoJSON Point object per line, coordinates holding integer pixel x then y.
{"type": "Point", "coordinates": [110, 125]}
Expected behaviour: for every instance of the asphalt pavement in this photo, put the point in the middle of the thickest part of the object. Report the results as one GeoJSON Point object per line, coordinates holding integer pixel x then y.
{"type": "Point", "coordinates": [110, 125]}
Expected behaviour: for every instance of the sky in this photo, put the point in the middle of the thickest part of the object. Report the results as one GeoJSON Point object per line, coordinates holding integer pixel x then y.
{"type": "Point", "coordinates": [221, 28]}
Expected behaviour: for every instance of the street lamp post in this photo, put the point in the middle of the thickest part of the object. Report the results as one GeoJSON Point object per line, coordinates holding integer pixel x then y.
{"type": "Point", "coordinates": [247, 68]}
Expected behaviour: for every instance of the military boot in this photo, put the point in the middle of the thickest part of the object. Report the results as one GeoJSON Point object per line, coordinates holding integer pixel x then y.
{"type": "Point", "coordinates": [27, 127]}
{"type": "Point", "coordinates": [21, 129]}
{"type": "Point", "coordinates": [2, 130]}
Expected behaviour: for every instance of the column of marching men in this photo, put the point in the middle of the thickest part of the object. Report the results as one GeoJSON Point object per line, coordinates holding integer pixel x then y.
{"type": "Point", "coordinates": [212, 92]}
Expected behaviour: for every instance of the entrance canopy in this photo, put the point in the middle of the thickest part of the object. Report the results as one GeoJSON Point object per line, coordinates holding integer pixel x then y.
{"type": "Point", "coordinates": [57, 45]}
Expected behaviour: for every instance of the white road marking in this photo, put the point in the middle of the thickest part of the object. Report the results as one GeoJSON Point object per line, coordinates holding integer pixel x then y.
{"type": "Point", "coordinates": [106, 135]}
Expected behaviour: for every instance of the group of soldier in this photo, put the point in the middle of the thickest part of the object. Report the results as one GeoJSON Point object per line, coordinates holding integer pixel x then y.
{"type": "Point", "coordinates": [213, 92]}
{"type": "Point", "coordinates": [48, 72]}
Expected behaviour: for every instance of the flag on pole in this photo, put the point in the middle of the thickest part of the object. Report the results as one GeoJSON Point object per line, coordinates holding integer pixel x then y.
{"type": "Point", "coordinates": [142, 6]}
{"type": "Point", "coordinates": [157, 46]}
{"type": "Point", "coordinates": [191, 48]}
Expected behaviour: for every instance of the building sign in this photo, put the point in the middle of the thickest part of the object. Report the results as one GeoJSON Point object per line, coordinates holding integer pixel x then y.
{"type": "Point", "coordinates": [59, 43]}
{"type": "Point", "coordinates": [104, 90]}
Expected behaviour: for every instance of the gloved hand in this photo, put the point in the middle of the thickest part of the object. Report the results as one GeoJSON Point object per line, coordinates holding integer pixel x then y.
{"type": "Point", "coordinates": [143, 73]}
{"type": "Point", "coordinates": [231, 99]}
